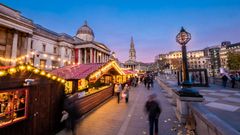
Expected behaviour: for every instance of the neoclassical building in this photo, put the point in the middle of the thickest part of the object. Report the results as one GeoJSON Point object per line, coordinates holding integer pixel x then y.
{"type": "Point", "coordinates": [196, 60]}
{"type": "Point", "coordinates": [21, 40]}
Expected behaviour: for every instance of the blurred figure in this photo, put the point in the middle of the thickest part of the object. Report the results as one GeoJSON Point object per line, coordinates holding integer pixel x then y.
{"type": "Point", "coordinates": [126, 92]}
{"type": "Point", "coordinates": [224, 80]}
{"type": "Point", "coordinates": [153, 109]}
{"type": "Point", "coordinates": [233, 79]}
{"type": "Point", "coordinates": [117, 89]}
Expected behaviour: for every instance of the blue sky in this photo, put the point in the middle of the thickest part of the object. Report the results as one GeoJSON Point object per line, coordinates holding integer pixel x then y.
{"type": "Point", "coordinates": [152, 23]}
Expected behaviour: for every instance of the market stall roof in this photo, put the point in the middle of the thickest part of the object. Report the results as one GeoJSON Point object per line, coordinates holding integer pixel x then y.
{"type": "Point", "coordinates": [92, 71]}
{"type": "Point", "coordinates": [10, 70]}
{"type": "Point", "coordinates": [129, 72]}
{"type": "Point", "coordinates": [77, 71]}
{"type": "Point", "coordinates": [5, 67]}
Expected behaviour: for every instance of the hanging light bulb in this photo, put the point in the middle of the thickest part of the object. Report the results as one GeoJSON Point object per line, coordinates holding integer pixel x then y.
{"type": "Point", "coordinates": [42, 73]}
{"type": "Point", "coordinates": [22, 67]}
{"type": "Point", "coordinates": [3, 73]}
{"type": "Point", "coordinates": [48, 75]}
{"type": "Point", "coordinates": [12, 70]}
{"type": "Point", "coordinates": [36, 70]}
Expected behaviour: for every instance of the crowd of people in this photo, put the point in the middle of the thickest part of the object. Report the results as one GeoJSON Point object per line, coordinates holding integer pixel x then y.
{"type": "Point", "coordinates": [152, 106]}
{"type": "Point", "coordinates": [232, 78]}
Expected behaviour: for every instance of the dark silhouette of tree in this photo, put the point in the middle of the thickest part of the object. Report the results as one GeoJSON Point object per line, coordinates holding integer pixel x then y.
{"type": "Point", "coordinates": [233, 60]}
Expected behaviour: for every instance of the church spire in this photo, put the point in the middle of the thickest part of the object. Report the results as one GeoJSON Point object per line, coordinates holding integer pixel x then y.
{"type": "Point", "coordinates": [132, 51]}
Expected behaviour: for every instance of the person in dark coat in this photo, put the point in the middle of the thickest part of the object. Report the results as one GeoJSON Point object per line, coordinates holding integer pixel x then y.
{"type": "Point", "coordinates": [153, 109]}
{"type": "Point", "coordinates": [233, 79]}
{"type": "Point", "coordinates": [224, 80]}
{"type": "Point", "coordinates": [71, 108]}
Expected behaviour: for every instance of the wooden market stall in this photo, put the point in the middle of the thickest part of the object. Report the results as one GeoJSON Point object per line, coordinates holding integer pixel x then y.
{"type": "Point", "coordinates": [30, 101]}
{"type": "Point", "coordinates": [88, 85]}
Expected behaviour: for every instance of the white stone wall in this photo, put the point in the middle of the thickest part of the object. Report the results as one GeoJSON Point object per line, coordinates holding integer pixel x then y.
{"type": "Point", "coordinates": [49, 54]}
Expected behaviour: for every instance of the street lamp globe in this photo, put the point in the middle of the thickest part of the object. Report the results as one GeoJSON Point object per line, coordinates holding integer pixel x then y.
{"type": "Point", "coordinates": [183, 37]}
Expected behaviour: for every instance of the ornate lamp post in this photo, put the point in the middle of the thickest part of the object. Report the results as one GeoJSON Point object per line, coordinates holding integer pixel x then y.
{"type": "Point", "coordinates": [186, 94]}
{"type": "Point", "coordinates": [183, 37]}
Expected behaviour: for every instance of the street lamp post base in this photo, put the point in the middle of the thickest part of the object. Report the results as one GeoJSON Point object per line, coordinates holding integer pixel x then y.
{"type": "Point", "coordinates": [188, 91]}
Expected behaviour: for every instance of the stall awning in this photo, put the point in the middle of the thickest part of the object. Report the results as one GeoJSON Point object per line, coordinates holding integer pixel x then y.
{"type": "Point", "coordinates": [92, 71]}
{"type": "Point", "coordinates": [129, 72]}
{"type": "Point", "coordinates": [77, 71]}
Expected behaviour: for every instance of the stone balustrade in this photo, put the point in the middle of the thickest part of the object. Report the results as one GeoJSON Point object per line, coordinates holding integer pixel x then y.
{"type": "Point", "coordinates": [206, 123]}
{"type": "Point", "coordinates": [198, 118]}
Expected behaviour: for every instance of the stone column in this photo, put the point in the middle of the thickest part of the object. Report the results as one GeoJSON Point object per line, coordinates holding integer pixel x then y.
{"type": "Point", "coordinates": [97, 56]}
{"type": "Point", "coordinates": [91, 55]}
{"type": "Point", "coordinates": [62, 56]}
{"type": "Point", "coordinates": [28, 48]}
{"type": "Point", "coordinates": [105, 58]}
{"type": "Point", "coordinates": [85, 55]}
{"type": "Point", "coordinates": [94, 57]}
{"type": "Point", "coordinates": [80, 56]}
{"type": "Point", "coordinates": [14, 48]}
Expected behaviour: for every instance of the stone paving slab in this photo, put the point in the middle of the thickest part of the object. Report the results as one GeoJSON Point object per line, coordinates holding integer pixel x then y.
{"type": "Point", "coordinates": [222, 106]}
{"type": "Point", "coordinates": [128, 119]}
{"type": "Point", "coordinates": [229, 114]}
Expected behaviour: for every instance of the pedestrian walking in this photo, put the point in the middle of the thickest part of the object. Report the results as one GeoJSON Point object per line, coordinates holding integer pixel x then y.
{"type": "Point", "coordinates": [70, 114]}
{"type": "Point", "coordinates": [148, 83]}
{"type": "Point", "coordinates": [151, 82]}
{"type": "Point", "coordinates": [224, 80]}
{"type": "Point", "coordinates": [117, 89]}
{"type": "Point", "coordinates": [233, 79]}
{"type": "Point", "coordinates": [126, 93]}
{"type": "Point", "coordinates": [145, 81]}
{"type": "Point", "coordinates": [153, 109]}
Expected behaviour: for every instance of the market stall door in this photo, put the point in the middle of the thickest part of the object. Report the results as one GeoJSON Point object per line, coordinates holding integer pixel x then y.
{"type": "Point", "coordinates": [41, 113]}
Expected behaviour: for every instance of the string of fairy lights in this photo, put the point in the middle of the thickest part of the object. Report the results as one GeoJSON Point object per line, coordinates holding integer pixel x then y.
{"type": "Point", "coordinates": [23, 59]}
{"type": "Point", "coordinates": [24, 67]}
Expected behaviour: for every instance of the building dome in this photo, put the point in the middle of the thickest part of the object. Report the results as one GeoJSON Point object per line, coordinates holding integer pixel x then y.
{"type": "Point", "coordinates": [85, 33]}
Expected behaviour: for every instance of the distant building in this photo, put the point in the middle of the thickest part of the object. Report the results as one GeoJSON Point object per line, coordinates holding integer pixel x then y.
{"type": "Point", "coordinates": [21, 40]}
{"type": "Point", "coordinates": [225, 48]}
{"type": "Point", "coordinates": [132, 63]}
{"type": "Point", "coordinates": [211, 58]}
{"type": "Point", "coordinates": [173, 60]}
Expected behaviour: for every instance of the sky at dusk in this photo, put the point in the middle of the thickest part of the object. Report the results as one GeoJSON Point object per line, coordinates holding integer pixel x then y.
{"type": "Point", "coordinates": [153, 24]}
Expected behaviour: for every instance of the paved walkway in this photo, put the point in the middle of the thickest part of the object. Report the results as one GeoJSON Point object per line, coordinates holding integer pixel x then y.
{"type": "Point", "coordinates": [128, 119]}
{"type": "Point", "coordinates": [223, 102]}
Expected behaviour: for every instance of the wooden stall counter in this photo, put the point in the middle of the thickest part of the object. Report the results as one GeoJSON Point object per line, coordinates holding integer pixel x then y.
{"type": "Point", "coordinates": [90, 100]}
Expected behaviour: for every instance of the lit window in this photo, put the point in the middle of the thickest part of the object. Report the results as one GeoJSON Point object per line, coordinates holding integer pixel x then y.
{"type": "Point", "coordinates": [42, 64]}
{"type": "Point", "coordinates": [13, 106]}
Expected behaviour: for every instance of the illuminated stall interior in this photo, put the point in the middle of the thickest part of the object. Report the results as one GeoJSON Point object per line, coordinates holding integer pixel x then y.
{"type": "Point", "coordinates": [86, 79]}
{"type": "Point", "coordinates": [18, 86]}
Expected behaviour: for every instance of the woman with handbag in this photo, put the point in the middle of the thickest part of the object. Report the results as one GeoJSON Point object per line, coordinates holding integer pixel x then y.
{"type": "Point", "coordinates": [126, 93]}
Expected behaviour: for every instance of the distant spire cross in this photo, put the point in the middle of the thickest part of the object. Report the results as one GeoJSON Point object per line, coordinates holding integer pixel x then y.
{"type": "Point", "coordinates": [85, 22]}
